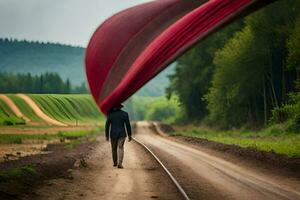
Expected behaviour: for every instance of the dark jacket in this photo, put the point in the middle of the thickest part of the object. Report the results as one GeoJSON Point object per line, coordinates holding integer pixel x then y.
{"type": "Point", "coordinates": [116, 122]}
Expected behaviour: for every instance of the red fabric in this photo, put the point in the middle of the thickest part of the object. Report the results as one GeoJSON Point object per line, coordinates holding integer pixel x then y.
{"type": "Point", "coordinates": [109, 39]}
{"type": "Point", "coordinates": [106, 44]}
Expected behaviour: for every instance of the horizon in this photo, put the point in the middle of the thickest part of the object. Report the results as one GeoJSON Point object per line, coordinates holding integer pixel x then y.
{"type": "Point", "coordinates": [40, 42]}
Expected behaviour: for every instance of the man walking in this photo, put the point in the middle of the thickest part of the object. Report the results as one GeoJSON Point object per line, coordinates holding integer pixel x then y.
{"type": "Point", "coordinates": [116, 126]}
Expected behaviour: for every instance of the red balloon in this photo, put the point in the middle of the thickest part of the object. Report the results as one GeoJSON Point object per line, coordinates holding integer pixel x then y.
{"type": "Point", "coordinates": [133, 46]}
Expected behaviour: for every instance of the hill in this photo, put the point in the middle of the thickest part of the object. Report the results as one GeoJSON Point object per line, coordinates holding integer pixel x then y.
{"type": "Point", "coordinates": [38, 58]}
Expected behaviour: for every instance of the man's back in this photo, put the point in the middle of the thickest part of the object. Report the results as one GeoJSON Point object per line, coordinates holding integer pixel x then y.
{"type": "Point", "coordinates": [117, 119]}
{"type": "Point", "coordinates": [115, 125]}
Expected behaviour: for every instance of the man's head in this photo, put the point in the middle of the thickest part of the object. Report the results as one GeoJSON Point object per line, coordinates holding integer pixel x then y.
{"type": "Point", "coordinates": [118, 106]}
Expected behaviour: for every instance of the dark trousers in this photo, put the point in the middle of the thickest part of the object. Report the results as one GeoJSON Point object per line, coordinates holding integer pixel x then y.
{"type": "Point", "coordinates": [117, 148]}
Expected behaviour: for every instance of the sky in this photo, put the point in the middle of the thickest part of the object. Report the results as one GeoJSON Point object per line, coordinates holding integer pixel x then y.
{"type": "Point", "coordinates": [64, 21]}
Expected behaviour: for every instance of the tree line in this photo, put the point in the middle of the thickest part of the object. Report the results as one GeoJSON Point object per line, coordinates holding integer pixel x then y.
{"type": "Point", "coordinates": [21, 56]}
{"type": "Point", "coordinates": [247, 74]}
{"type": "Point", "coordinates": [47, 83]}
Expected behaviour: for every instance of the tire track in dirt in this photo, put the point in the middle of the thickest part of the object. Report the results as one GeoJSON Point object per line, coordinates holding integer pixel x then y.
{"type": "Point", "coordinates": [39, 112]}
{"type": "Point", "coordinates": [141, 178]}
{"type": "Point", "coordinates": [207, 176]}
{"type": "Point", "coordinates": [13, 107]}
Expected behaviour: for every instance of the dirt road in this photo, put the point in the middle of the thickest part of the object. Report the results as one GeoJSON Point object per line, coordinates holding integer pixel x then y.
{"type": "Point", "coordinates": [205, 176]}
{"type": "Point", "coordinates": [202, 175]}
{"type": "Point", "coordinates": [141, 178]}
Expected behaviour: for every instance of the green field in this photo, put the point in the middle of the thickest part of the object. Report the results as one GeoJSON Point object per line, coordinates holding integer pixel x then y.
{"type": "Point", "coordinates": [7, 117]}
{"type": "Point", "coordinates": [24, 108]}
{"type": "Point", "coordinates": [270, 140]}
{"type": "Point", "coordinates": [70, 109]}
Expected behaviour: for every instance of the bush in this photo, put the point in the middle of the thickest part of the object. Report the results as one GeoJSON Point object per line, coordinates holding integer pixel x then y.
{"type": "Point", "coordinates": [288, 114]}
{"type": "Point", "coordinates": [163, 110]}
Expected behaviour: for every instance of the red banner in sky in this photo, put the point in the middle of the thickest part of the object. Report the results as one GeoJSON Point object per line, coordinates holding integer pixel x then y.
{"type": "Point", "coordinates": [134, 45]}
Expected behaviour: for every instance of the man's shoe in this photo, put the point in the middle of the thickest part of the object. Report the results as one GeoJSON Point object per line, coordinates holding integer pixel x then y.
{"type": "Point", "coordinates": [120, 166]}
{"type": "Point", "coordinates": [115, 165]}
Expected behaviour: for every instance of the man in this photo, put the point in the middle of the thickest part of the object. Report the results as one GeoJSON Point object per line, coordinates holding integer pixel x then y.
{"type": "Point", "coordinates": [116, 126]}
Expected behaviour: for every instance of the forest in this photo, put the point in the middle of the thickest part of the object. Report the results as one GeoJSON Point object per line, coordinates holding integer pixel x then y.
{"type": "Point", "coordinates": [47, 83]}
{"type": "Point", "coordinates": [246, 75]}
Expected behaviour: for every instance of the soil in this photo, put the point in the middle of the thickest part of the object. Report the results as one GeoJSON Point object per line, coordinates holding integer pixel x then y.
{"type": "Point", "coordinates": [289, 166]}
{"type": "Point", "coordinates": [205, 173]}
{"type": "Point", "coordinates": [52, 165]}
{"type": "Point", "coordinates": [272, 159]}
{"type": "Point", "coordinates": [141, 178]}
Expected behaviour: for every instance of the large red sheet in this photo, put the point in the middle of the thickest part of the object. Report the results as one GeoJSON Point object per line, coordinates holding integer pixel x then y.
{"type": "Point", "coordinates": [133, 46]}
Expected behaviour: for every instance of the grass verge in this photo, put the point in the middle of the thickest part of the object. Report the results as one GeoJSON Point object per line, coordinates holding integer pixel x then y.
{"type": "Point", "coordinates": [18, 173]}
{"type": "Point", "coordinates": [266, 140]}
{"type": "Point", "coordinates": [71, 135]}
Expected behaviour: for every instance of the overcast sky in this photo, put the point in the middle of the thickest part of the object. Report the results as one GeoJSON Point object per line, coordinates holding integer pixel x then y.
{"type": "Point", "coordinates": [64, 21]}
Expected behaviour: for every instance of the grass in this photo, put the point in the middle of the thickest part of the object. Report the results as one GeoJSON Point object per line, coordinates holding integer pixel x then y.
{"type": "Point", "coordinates": [18, 173]}
{"type": "Point", "coordinates": [24, 108]}
{"type": "Point", "coordinates": [73, 144]}
{"type": "Point", "coordinates": [72, 135]}
{"type": "Point", "coordinates": [69, 108]}
{"type": "Point", "coordinates": [7, 116]}
{"type": "Point", "coordinates": [266, 140]}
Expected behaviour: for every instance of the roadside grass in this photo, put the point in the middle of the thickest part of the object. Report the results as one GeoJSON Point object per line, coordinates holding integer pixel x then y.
{"type": "Point", "coordinates": [71, 135]}
{"type": "Point", "coordinates": [73, 143]}
{"type": "Point", "coordinates": [265, 140]}
{"type": "Point", "coordinates": [18, 173]}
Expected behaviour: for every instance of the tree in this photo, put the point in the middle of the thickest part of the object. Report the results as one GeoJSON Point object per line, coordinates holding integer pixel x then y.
{"type": "Point", "coordinates": [193, 73]}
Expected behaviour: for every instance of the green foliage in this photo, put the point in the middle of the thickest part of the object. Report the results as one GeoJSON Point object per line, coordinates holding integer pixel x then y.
{"type": "Point", "coordinates": [288, 114]}
{"type": "Point", "coordinates": [153, 108]}
{"type": "Point", "coordinates": [163, 110]}
{"type": "Point", "coordinates": [26, 83]}
{"type": "Point", "coordinates": [193, 73]}
{"type": "Point", "coordinates": [293, 46]}
{"type": "Point", "coordinates": [77, 134]}
{"type": "Point", "coordinates": [18, 173]}
{"type": "Point", "coordinates": [235, 79]}
{"type": "Point", "coordinates": [267, 140]}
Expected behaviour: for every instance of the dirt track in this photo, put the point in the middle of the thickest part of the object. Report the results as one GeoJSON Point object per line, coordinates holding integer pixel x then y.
{"type": "Point", "coordinates": [205, 176]}
{"type": "Point", "coordinates": [141, 178]}
{"type": "Point", "coordinates": [13, 107]}
{"type": "Point", "coordinates": [39, 112]}
{"type": "Point", "coordinates": [202, 175]}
